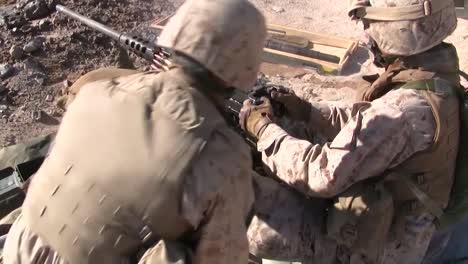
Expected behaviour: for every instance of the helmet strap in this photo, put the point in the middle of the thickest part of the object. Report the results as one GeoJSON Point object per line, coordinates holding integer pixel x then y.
{"type": "Point", "coordinates": [206, 82]}
{"type": "Point", "coordinates": [380, 60]}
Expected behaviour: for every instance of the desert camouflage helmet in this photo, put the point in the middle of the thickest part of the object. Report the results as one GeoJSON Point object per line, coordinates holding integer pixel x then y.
{"type": "Point", "coordinates": [226, 36]}
{"type": "Point", "coordinates": [406, 27]}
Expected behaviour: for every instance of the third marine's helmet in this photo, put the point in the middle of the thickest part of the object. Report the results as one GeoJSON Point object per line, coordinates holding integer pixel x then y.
{"type": "Point", "coordinates": [405, 27]}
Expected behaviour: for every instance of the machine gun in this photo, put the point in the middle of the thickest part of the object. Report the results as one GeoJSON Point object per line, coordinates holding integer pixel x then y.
{"type": "Point", "coordinates": [159, 57]}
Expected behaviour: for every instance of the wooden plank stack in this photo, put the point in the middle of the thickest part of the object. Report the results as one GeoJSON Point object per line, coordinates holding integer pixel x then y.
{"type": "Point", "coordinates": [299, 48]}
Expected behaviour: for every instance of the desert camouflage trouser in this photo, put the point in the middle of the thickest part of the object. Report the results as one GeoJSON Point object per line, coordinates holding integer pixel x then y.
{"type": "Point", "coordinates": [287, 226]}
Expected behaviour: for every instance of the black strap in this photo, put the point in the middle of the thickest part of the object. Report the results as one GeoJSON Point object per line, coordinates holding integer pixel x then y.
{"type": "Point", "coordinates": [463, 74]}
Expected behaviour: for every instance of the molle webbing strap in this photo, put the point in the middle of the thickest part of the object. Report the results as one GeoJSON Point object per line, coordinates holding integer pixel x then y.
{"type": "Point", "coordinates": [412, 12]}
{"type": "Point", "coordinates": [433, 85]}
{"type": "Point", "coordinates": [430, 205]}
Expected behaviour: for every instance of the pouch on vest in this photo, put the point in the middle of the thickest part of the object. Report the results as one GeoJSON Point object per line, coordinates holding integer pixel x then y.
{"type": "Point", "coordinates": [17, 164]}
{"type": "Point", "coordinates": [360, 218]}
{"type": "Point", "coordinates": [458, 205]}
{"type": "Point", "coordinates": [457, 208]}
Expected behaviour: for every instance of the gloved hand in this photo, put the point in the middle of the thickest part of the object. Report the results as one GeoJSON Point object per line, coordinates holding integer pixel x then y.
{"type": "Point", "coordinates": [297, 109]}
{"type": "Point", "coordinates": [254, 118]}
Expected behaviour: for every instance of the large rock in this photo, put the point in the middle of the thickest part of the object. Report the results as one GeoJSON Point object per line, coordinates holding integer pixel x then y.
{"type": "Point", "coordinates": [16, 52]}
{"type": "Point", "coordinates": [38, 77]}
{"type": "Point", "coordinates": [3, 109]}
{"type": "Point", "coordinates": [6, 70]}
{"type": "Point", "coordinates": [36, 9]}
{"type": "Point", "coordinates": [11, 19]}
{"type": "Point", "coordinates": [33, 65]}
{"type": "Point", "coordinates": [33, 9]}
{"type": "Point", "coordinates": [34, 45]}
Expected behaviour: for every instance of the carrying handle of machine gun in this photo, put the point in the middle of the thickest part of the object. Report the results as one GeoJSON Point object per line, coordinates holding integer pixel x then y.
{"type": "Point", "coordinates": [158, 56]}
{"type": "Point", "coordinates": [257, 93]}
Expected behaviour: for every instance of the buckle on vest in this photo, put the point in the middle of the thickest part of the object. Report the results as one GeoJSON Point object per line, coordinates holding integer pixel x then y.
{"type": "Point", "coordinates": [419, 178]}
{"type": "Point", "coordinates": [411, 205]}
{"type": "Point", "coordinates": [427, 8]}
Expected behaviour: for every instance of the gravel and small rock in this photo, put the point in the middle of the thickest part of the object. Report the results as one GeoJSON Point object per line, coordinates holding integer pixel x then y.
{"type": "Point", "coordinates": [277, 9]}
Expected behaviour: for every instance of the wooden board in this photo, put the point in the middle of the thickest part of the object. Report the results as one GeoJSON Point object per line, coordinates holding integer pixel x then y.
{"type": "Point", "coordinates": [323, 46]}
{"type": "Point", "coordinates": [299, 48]}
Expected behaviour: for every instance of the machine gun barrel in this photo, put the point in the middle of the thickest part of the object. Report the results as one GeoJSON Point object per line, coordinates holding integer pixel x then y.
{"type": "Point", "coordinates": [90, 23]}
{"type": "Point", "coordinates": [158, 56]}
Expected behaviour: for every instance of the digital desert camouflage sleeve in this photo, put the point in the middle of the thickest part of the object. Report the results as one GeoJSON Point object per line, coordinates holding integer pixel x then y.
{"type": "Point", "coordinates": [218, 196]}
{"type": "Point", "coordinates": [376, 136]}
{"type": "Point", "coordinates": [327, 120]}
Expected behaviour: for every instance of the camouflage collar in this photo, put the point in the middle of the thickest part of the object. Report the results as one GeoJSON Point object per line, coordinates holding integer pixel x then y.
{"type": "Point", "coordinates": [439, 62]}
{"type": "Point", "coordinates": [442, 58]}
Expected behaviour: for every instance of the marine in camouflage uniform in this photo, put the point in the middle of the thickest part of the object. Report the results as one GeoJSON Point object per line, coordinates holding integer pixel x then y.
{"type": "Point", "coordinates": [147, 157]}
{"type": "Point", "coordinates": [389, 163]}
